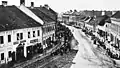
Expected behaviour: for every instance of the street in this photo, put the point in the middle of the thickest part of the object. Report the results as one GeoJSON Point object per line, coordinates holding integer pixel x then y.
{"type": "Point", "coordinates": [88, 56]}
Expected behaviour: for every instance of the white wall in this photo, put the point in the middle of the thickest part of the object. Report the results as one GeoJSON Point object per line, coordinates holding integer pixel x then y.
{"type": "Point", "coordinates": [4, 48]}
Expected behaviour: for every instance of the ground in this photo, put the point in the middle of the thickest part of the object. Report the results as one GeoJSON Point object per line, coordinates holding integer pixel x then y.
{"type": "Point", "coordinates": [64, 61]}
{"type": "Point", "coordinates": [89, 55]}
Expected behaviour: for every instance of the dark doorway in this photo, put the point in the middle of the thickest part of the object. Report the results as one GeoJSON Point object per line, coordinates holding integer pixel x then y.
{"type": "Point", "coordinates": [40, 48]}
{"type": "Point", "coordinates": [13, 56]}
{"type": "Point", "coordinates": [29, 52]}
{"type": "Point", "coordinates": [20, 53]}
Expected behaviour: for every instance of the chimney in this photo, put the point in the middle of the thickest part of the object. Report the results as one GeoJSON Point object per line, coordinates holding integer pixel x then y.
{"type": "Point", "coordinates": [41, 6]}
{"type": "Point", "coordinates": [4, 3]}
{"type": "Point", "coordinates": [22, 2]}
{"type": "Point", "coordinates": [103, 12]}
{"type": "Point", "coordinates": [32, 4]}
{"type": "Point", "coordinates": [46, 6]}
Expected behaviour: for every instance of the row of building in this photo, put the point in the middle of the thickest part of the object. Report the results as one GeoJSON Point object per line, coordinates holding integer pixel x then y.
{"type": "Point", "coordinates": [103, 24]}
{"type": "Point", "coordinates": [107, 29]}
{"type": "Point", "coordinates": [25, 30]}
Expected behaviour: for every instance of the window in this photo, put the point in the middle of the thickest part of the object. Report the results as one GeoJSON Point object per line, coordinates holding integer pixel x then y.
{"type": "Point", "coordinates": [19, 36]}
{"type": "Point", "coordinates": [112, 37]}
{"type": "Point", "coordinates": [38, 32]}
{"type": "Point", "coordinates": [43, 30]}
{"type": "Point", "coordinates": [2, 56]}
{"type": "Point", "coordinates": [1, 40]}
{"type": "Point", "coordinates": [9, 38]}
{"type": "Point", "coordinates": [9, 54]}
{"type": "Point", "coordinates": [28, 34]}
{"type": "Point", "coordinates": [44, 42]}
{"type": "Point", "coordinates": [33, 33]}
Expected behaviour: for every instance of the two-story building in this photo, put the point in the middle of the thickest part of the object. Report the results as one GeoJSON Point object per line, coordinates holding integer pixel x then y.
{"type": "Point", "coordinates": [49, 18]}
{"type": "Point", "coordinates": [20, 34]}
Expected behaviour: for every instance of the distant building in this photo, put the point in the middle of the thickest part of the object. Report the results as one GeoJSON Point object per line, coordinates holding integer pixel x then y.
{"type": "Point", "coordinates": [65, 18]}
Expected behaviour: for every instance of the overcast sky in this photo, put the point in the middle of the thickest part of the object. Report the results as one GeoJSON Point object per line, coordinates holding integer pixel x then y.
{"type": "Point", "coordinates": [65, 5]}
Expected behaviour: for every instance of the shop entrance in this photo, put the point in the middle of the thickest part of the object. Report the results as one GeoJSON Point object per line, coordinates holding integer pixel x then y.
{"type": "Point", "coordinates": [40, 48]}
{"type": "Point", "coordinates": [29, 52]}
{"type": "Point", "coordinates": [13, 56]}
{"type": "Point", "coordinates": [20, 52]}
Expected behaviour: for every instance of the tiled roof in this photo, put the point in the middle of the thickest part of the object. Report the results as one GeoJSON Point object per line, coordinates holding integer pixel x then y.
{"type": "Point", "coordinates": [89, 13]}
{"type": "Point", "coordinates": [12, 18]}
{"type": "Point", "coordinates": [47, 12]}
{"type": "Point", "coordinates": [116, 15]}
{"type": "Point", "coordinates": [92, 13]}
{"type": "Point", "coordinates": [97, 13]}
{"type": "Point", "coordinates": [109, 13]}
{"type": "Point", "coordinates": [41, 15]}
{"type": "Point", "coordinates": [52, 11]}
{"type": "Point", "coordinates": [29, 13]}
{"type": "Point", "coordinates": [102, 19]}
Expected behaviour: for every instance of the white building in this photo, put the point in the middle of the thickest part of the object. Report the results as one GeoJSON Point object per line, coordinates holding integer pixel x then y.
{"type": "Point", "coordinates": [20, 34]}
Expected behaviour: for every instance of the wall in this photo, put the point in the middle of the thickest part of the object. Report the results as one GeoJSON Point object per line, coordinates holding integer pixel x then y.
{"type": "Point", "coordinates": [4, 48]}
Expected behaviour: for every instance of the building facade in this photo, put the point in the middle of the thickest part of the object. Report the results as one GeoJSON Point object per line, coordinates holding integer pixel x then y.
{"type": "Point", "coordinates": [50, 18]}
{"type": "Point", "coordinates": [20, 34]}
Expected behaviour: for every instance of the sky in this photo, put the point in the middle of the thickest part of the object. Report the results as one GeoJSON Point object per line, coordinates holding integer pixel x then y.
{"type": "Point", "coordinates": [66, 5]}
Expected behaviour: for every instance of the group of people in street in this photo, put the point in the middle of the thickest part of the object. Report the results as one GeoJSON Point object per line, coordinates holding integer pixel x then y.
{"type": "Point", "coordinates": [64, 36]}
{"type": "Point", "coordinates": [100, 43]}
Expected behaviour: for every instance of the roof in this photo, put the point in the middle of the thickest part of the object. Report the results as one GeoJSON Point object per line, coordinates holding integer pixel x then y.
{"type": "Point", "coordinates": [30, 13]}
{"type": "Point", "coordinates": [12, 18]}
{"type": "Point", "coordinates": [52, 11]}
{"type": "Point", "coordinates": [103, 19]}
{"type": "Point", "coordinates": [48, 12]}
{"type": "Point", "coordinates": [109, 13]}
{"type": "Point", "coordinates": [41, 15]}
{"type": "Point", "coordinates": [97, 13]}
{"type": "Point", "coordinates": [89, 13]}
{"type": "Point", "coordinates": [86, 18]}
{"type": "Point", "coordinates": [116, 15]}
{"type": "Point", "coordinates": [99, 20]}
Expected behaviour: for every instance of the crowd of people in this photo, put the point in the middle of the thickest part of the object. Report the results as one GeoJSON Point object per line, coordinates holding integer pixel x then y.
{"type": "Point", "coordinates": [64, 35]}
